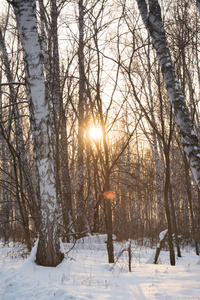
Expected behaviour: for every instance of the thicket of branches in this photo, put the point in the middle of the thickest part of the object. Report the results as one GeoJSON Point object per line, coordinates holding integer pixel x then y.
{"type": "Point", "coordinates": [101, 69]}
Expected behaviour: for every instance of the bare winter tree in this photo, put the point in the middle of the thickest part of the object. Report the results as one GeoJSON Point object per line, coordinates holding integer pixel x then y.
{"type": "Point", "coordinates": [81, 217]}
{"type": "Point", "coordinates": [50, 52]}
{"type": "Point", "coordinates": [48, 252]}
{"type": "Point", "coordinates": [23, 156]}
{"type": "Point", "coordinates": [151, 16]}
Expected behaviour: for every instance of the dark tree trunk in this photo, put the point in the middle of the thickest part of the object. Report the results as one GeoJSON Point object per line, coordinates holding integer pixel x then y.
{"type": "Point", "coordinates": [189, 194]}
{"type": "Point", "coordinates": [174, 221]}
{"type": "Point", "coordinates": [81, 215]}
{"type": "Point", "coordinates": [167, 209]}
{"type": "Point", "coordinates": [108, 215]}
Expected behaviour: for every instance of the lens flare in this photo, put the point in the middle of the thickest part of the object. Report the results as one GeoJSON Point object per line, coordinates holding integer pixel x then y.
{"type": "Point", "coordinates": [109, 194]}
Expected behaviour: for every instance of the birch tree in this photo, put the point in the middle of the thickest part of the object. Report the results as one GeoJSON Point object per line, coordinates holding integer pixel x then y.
{"type": "Point", "coordinates": [48, 251]}
{"type": "Point", "coordinates": [151, 16]}
{"type": "Point", "coordinates": [50, 51]}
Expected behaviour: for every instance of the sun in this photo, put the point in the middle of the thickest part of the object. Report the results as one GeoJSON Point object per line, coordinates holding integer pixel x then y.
{"type": "Point", "coordinates": [95, 132]}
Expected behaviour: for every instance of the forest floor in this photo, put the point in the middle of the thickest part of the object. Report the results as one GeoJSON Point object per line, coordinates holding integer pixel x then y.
{"type": "Point", "coordinates": [85, 274]}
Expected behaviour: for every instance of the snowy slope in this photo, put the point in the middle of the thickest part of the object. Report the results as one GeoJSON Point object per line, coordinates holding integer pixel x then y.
{"type": "Point", "coordinates": [85, 274]}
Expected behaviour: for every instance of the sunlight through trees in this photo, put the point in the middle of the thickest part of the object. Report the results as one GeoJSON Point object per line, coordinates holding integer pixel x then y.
{"type": "Point", "coordinates": [99, 122]}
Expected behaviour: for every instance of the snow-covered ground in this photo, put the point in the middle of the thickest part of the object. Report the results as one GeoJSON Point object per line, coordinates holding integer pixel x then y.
{"type": "Point", "coordinates": [85, 274]}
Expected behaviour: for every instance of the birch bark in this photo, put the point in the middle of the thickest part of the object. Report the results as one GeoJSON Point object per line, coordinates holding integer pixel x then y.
{"type": "Point", "coordinates": [152, 19]}
{"type": "Point", "coordinates": [48, 252]}
{"type": "Point", "coordinates": [50, 52]}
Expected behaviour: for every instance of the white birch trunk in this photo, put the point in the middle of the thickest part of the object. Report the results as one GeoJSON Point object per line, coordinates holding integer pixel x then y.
{"type": "Point", "coordinates": [153, 21]}
{"type": "Point", "coordinates": [48, 252]}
